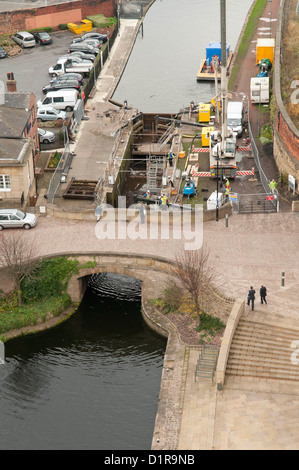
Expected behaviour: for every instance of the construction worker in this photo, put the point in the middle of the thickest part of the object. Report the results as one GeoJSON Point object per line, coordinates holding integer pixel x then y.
{"type": "Point", "coordinates": [164, 201]}
{"type": "Point", "coordinates": [272, 185]}
{"type": "Point", "coordinates": [147, 195]}
{"type": "Point", "coordinates": [227, 192]}
{"type": "Point", "coordinates": [170, 158]}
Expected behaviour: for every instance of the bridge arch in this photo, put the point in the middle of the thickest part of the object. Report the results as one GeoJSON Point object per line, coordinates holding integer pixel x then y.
{"type": "Point", "coordinates": [150, 270]}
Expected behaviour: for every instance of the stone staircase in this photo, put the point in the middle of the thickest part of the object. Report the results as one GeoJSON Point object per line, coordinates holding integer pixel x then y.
{"type": "Point", "coordinates": [264, 350]}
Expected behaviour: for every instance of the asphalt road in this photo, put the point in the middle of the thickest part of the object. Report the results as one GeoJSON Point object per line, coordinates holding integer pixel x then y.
{"type": "Point", "coordinates": [31, 67]}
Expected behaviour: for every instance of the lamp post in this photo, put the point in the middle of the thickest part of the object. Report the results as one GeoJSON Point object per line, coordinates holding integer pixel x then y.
{"type": "Point", "coordinates": [217, 188]}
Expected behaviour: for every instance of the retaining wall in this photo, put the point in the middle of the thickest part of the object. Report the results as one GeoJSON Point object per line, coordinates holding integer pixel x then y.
{"type": "Point", "coordinates": [53, 15]}
{"type": "Point", "coordinates": [285, 134]}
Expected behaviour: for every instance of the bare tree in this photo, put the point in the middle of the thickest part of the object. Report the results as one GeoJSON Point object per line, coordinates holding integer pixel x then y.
{"type": "Point", "coordinates": [197, 275]}
{"type": "Point", "coordinates": [17, 254]}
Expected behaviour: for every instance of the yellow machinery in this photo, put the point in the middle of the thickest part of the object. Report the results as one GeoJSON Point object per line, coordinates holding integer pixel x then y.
{"type": "Point", "coordinates": [83, 26]}
{"type": "Point", "coordinates": [205, 136]}
{"type": "Point", "coordinates": [265, 49]}
{"type": "Point", "coordinates": [204, 112]}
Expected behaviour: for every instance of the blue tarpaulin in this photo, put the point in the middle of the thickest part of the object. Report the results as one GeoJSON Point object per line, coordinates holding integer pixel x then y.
{"type": "Point", "coordinates": [214, 48]}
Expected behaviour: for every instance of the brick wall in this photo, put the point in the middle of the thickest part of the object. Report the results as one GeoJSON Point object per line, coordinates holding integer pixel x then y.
{"type": "Point", "coordinates": [53, 15]}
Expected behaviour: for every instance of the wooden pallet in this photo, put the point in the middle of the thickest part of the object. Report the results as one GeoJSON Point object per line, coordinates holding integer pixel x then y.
{"type": "Point", "coordinates": [80, 189]}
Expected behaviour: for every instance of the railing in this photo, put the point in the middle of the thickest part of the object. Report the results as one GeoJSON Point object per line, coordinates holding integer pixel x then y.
{"type": "Point", "coordinates": [207, 362]}
{"type": "Point", "coordinates": [61, 169]}
{"type": "Point", "coordinates": [263, 178]}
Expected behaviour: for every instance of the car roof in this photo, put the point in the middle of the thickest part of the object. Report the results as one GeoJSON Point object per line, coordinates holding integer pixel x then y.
{"type": "Point", "coordinates": [24, 33]}
{"type": "Point", "coordinates": [8, 211]}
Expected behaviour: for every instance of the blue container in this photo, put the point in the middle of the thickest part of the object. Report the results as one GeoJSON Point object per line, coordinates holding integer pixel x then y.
{"type": "Point", "coordinates": [214, 48]}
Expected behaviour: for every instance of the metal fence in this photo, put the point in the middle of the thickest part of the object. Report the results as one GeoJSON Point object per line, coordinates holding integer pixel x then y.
{"type": "Point", "coordinates": [263, 178]}
{"type": "Point", "coordinates": [61, 169]}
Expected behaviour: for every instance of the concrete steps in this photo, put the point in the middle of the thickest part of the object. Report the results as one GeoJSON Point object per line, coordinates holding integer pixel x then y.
{"type": "Point", "coordinates": [206, 363]}
{"type": "Point", "coordinates": [263, 351]}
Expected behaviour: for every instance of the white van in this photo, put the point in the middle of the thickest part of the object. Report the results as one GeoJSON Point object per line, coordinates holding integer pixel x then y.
{"type": "Point", "coordinates": [235, 116]}
{"type": "Point", "coordinates": [65, 99]}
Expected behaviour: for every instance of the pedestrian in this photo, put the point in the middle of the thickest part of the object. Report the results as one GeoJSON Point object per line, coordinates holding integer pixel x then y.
{"type": "Point", "coordinates": [170, 158]}
{"type": "Point", "coordinates": [263, 293]}
{"type": "Point", "coordinates": [99, 212]}
{"type": "Point", "coordinates": [251, 297]}
{"type": "Point", "coordinates": [272, 185]}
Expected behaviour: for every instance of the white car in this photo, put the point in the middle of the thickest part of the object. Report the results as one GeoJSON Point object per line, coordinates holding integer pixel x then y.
{"type": "Point", "coordinates": [13, 218]}
{"type": "Point", "coordinates": [24, 39]}
{"type": "Point", "coordinates": [48, 113]}
{"type": "Point", "coordinates": [45, 137]}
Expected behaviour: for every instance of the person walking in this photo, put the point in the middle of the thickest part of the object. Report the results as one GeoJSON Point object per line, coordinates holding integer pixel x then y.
{"type": "Point", "coordinates": [98, 212]}
{"type": "Point", "coordinates": [263, 293]}
{"type": "Point", "coordinates": [251, 297]}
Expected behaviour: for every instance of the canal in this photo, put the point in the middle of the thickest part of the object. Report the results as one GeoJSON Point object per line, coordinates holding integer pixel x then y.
{"type": "Point", "coordinates": [160, 76]}
{"type": "Point", "coordinates": [93, 382]}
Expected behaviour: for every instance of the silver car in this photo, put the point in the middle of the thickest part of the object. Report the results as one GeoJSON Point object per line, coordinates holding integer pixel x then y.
{"type": "Point", "coordinates": [13, 218]}
{"type": "Point", "coordinates": [45, 137]}
{"type": "Point", "coordinates": [24, 39]}
{"type": "Point", "coordinates": [48, 113]}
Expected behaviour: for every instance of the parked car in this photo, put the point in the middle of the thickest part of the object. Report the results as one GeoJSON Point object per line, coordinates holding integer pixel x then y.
{"type": "Point", "coordinates": [99, 36]}
{"type": "Point", "coordinates": [42, 38]}
{"type": "Point", "coordinates": [65, 83]}
{"type": "Point", "coordinates": [92, 43]}
{"type": "Point", "coordinates": [76, 59]}
{"type": "Point", "coordinates": [13, 218]}
{"type": "Point", "coordinates": [74, 75]}
{"type": "Point", "coordinates": [45, 136]}
{"type": "Point", "coordinates": [3, 53]}
{"type": "Point", "coordinates": [24, 39]}
{"type": "Point", "coordinates": [80, 46]}
{"type": "Point", "coordinates": [82, 55]}
{"type": "Point", "coordinates": [48, 113]}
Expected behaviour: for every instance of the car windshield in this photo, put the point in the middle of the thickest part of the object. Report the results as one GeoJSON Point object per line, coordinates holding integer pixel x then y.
{"type": "Point", "coordinates": [42, 131]}
{"type": "Point", "coordinates": [234, 122]}
{"type": "Point", "coordinates": [44, 35]}
{"type": "Point", "coordinates": [21, 214]}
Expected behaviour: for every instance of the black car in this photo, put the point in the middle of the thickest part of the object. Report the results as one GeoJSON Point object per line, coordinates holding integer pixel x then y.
{"type": "Point", "coordinates": [62, 84]}
{"type": "Point", "coordinates": [2, 53]}
{"type": "Point", "coordinates": [70, 75]}
{"type": "Point", "coordinates": [42, 38]}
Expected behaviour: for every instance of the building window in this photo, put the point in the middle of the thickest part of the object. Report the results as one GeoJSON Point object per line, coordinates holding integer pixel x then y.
{"type": "Point", "coordinates": [5, 183]}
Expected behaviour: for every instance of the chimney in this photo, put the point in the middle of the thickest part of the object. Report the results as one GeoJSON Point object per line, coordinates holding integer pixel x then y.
{"type": "Point", "coordinates": [11, 84]}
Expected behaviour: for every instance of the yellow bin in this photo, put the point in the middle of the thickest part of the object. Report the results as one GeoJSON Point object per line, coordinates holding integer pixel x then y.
{"type": "Point", "coordinates": [204, 112]}
{"type": "Point", "coordinates": [205, 136]}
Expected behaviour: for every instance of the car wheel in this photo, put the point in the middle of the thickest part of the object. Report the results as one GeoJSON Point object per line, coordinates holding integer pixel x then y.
{"type": "Point", "coordinates": [27, 226]}
{"type": "Point", "coordinates": [68, 109]}
{"type": "Point", "coordinates": [53, 75]}
{"type": "Point", "coordinates": [45, 141]}
{"type": "Point", "coordinates": [1, 227]}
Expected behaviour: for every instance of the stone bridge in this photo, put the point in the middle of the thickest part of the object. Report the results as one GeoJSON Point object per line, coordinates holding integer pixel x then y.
{"type": "Point", "coordinates": [152, 271]}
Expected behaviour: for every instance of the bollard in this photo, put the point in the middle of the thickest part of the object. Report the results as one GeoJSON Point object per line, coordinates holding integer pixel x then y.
{"type": "Point", "coordinates": [226, 220]}
{"type": "Point", "coordinates": [282, 278]}
{"type": "Point", "coordinates": [219, 385]}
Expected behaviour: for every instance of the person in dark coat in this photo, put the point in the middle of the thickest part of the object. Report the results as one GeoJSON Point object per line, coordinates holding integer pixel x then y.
{"type": "Point", "coordinates": [263, 293]}
{"type": "Point", "coordinates": [251, 297]}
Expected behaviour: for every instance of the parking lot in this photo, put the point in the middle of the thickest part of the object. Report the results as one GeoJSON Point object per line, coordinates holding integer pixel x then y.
{"type": "Point", "coordinates": [30, 68]}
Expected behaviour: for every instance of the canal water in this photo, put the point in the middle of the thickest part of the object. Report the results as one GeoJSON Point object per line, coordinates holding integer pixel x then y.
{"type": "Point", "coordinates": [91, 383]}
{"type": "Point", "coordinates": [160, 76]}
